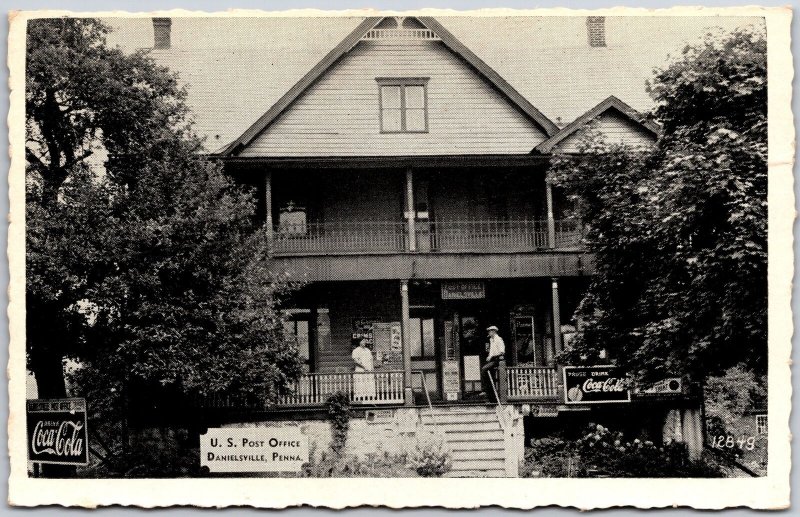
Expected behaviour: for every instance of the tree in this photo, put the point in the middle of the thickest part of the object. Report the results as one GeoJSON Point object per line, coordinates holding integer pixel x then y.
{"type": "Point", "coordinates": [144, 261]}
{"type": "Point", "coordinates": [679, 232]}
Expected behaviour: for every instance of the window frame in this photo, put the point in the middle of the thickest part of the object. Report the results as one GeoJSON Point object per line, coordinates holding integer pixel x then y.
{"type": "Point", "coordinates": [424, 357]}
{"type": "Point", "coordinates": [762, 424]}
{"type": "Point", "coordinates": [402, 83]}
{"type": "Point", "coordinates": [295, 315]}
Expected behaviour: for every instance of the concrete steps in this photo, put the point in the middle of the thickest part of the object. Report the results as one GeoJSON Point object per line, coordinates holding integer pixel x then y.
{"type": "Point", "coordinates": [475, 438]}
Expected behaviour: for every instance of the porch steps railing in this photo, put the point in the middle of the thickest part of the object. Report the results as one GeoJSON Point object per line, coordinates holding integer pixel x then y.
{"type": "Point", "coordinates": [374, 388]}
{"type": "Point", "coordinates": [532, 382]}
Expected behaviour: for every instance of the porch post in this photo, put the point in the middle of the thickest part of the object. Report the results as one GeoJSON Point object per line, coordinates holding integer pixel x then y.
{"type": "Point", "coordinates": [502, 378]}
{"type": "Point", "coordinates": [410, 210]}
{"type": "Point", "coordinates": [404, 308]}
{"type": "Point", "coordinates": [556, 318]}
{"type": "Point", "coordinates": [551, 222]}
{"type": "Point", "coordinates": [268, 208]}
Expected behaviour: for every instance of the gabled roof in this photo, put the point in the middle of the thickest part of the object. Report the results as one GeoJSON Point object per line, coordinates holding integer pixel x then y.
{"type": "Point", "coordinates": [610, 103]}
{"type": "Point", "coordinates": [350, 41]}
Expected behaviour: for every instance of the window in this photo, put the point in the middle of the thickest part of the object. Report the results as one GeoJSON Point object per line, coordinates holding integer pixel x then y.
{"type": "Point", "coordinates": [404, 105]}
{"type": "Point", "coordinates": [296, 328]}
{"type": "Point", "coordinates": [761, 424]}
{"type": "Point", "coordinates": [421, 334]}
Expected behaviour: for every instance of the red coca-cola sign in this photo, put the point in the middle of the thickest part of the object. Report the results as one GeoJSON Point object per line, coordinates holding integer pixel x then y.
{"type": "Point", "coordinates": [595, 385]}
{"type": "Point", "coordinates": [57, 431]}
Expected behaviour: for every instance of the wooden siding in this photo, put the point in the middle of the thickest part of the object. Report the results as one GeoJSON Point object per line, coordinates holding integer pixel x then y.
{"type": "Point", "coordinates": [339, 114]}
{"type": "Point", "coordinates": [348, 302]}
{"type": "Point", "coordinates": [615, 129]}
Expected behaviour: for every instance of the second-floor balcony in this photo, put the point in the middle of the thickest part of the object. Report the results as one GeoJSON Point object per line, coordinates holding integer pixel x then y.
{"type": "Point", "coordinates": [490, 235]}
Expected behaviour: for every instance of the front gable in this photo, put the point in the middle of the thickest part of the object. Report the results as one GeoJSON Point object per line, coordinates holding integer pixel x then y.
{"type": "Point", "coordinates": [336, 111]}
{"type": "Point", "coordinates": [614, 121]}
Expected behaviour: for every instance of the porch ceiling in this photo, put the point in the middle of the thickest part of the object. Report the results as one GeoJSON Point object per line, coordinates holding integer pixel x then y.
{"type": "Point", "coordinates": [388, 162]}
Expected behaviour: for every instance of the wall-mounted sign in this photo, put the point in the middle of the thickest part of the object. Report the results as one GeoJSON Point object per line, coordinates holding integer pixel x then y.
{"type": "Point", "coordinates": [57, 431]}
{"type": "Point", "coordinates": [670, 386]}
{"type": "Point", "coordinates": [388, 344]}
{"type": "Point", "coordinates": [451, 379]}
{"type": "Point", "coordinates": [364, 328]}
{"type": "Point", "coordinates": [463, 290]}
{"type": "Point", "coordinates": [472, 368]}
{"type": "Point", "coordinates": [595, 385]}
{"type": "Point", "coordinates": [253, 449]}
{"type": "Point", "coordinates": [544, 410]}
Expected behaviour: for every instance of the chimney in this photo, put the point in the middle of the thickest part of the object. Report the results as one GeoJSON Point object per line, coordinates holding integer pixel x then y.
{"type": "Point", "coordinates": [161, 33]}
{"type": "Point", "coordinates": [596, 31]}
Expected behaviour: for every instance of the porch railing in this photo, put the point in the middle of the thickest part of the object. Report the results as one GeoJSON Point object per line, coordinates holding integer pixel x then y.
{"type": "Point", "coordinates": [532, 382]}
{"type": "Point", "coordinates": [431, 236]}
{"type": "Point", "coordinates": [313, 389]}
{"type": "Point", "coordinates": [351, 236]}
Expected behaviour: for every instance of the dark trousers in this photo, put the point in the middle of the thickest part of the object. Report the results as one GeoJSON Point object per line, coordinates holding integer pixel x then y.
{"type": "Point", "coordinates": [490, 370]}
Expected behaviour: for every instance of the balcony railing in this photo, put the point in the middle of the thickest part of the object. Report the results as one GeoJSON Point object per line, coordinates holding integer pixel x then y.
{"type": "Point", "coordinates": [532, 382]}
{"type": "Point", "coordinates": [375, 388]}
{"type": "Point", "coordinates": [355, 236]}
{"type": "Point", "coordinates": [500, 235]}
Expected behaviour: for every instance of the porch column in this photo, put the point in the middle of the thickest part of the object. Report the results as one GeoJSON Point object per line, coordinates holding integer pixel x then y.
{"type": "Point", "coordinates": [551, 222]}
{"type": "Point", "coordinates": [268, 208]}
{"type": "Point", "coordinates": [410, 210]}
{"type": "Point", "coordinates": [556, 318]}
{"type": "Point", "coordinates": [405, 333]}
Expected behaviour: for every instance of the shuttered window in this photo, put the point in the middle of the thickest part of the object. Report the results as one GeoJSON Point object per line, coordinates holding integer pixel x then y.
{"type": "Point", "coordinates": [403, 105]}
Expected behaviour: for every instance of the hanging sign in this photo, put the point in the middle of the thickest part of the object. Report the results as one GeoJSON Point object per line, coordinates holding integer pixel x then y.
{"type": "Point", "coordinates": [463, 290]}
{"type": "Point", "coordinates": [57, 431]}
{"type": "Point", "coordinates": [595, 385]}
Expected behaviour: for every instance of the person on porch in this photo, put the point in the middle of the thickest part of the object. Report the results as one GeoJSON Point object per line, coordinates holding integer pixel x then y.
{"type": "Point", "coordinates": [496, 349]}
{"type": "Point", "coordinates": [363, 378]}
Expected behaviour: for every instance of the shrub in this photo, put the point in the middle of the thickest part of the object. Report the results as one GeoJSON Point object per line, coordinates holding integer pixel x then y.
{"type": "Point", "coordinates": [600, 452]}
{"type": "Point", "coordinates": [339, 413]}
{"type": "Point", "coordinates": [430, 457]}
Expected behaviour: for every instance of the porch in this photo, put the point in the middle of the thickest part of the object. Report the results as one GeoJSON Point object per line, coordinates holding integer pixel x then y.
{"type": "Point", "coordinates": [386, 388]}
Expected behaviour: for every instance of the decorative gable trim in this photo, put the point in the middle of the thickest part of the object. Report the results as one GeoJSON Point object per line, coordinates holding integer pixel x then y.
{"type": "Point", "coordinates": [367, 30]}
{"type": "Point", "coordinates": [610, 103]}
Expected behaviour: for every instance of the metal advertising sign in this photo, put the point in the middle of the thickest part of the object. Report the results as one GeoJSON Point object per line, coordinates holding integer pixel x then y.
{"type": "Point", "coordinates": [57, 431]}
{"type": "Point", "coordinates": [595, 385]}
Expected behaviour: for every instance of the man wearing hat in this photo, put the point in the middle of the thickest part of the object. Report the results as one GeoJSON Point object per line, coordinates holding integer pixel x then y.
{"type": "Point", "coordinates": [496, 349]}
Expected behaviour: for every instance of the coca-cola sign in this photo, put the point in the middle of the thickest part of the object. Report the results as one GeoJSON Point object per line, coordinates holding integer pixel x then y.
{"type": "Point", "coordinates": [57, 431]}
{"type": "Point", "coordinates": [595, 385]}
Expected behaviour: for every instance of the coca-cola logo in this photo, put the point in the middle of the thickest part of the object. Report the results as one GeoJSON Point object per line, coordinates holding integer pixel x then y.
{"type": "Point", "coordinates": [595, 384]}
{"type": "Point", "coordinates": [64, 439]}
{"type": "Point", "coordinates": [609, 385]}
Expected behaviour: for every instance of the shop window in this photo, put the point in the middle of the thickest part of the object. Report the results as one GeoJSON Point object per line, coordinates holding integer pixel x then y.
{"type": "Point", "coordinates": [761, 424]}
{"type": "Point", "coordinates": [403, 105]}
{"type": "Point", "coordinates": [421, 337]}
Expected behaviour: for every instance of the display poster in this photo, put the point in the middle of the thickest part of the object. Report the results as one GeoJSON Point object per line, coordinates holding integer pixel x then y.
{"type": "Point", "coordinates": [472, 367]}
{"type": "Point", "coordinates": [388, 345]}
{"type": "Point", "coordinates": [451, 379]}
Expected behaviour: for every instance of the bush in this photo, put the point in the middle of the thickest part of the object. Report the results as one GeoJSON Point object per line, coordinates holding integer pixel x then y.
{"type": "Point", "coordinates": [599, 452]}
{"type": "Point", "coordinates": [430, 457]}
{"type": "Point", "coordinates": [378, 464]}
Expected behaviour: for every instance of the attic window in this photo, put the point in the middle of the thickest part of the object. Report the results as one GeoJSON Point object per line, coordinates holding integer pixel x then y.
{"type": "Point", "coordinates": [403, 105]}
{"type": "Point", "coordinates": [596, 31]}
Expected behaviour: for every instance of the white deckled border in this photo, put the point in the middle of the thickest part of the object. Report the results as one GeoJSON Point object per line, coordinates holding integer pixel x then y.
{"type": "Point", "coordinates": [768, 492]}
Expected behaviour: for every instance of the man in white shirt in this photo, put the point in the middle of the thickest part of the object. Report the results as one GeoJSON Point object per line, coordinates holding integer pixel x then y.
{"type": "Point", "coordinates": [496, 349]}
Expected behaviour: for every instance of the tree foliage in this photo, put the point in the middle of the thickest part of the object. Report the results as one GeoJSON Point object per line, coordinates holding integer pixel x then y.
{"type": "Point", "coordinates": [679, 232]}
{"type": "Point", "coordinates": [144, 262]}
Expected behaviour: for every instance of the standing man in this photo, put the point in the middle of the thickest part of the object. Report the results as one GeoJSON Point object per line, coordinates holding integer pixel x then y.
{"type": "Point", "coordinates": [496, 349]}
